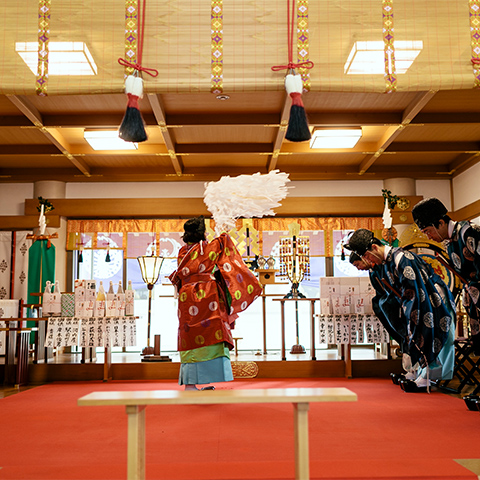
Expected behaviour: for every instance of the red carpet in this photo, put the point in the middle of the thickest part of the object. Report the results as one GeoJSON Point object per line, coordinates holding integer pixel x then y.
{"type": "Point", "coordinates": [387, 434]}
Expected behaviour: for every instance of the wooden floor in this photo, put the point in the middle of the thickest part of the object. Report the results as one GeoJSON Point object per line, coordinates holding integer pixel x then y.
{"type": "Point", "coordinates": [329, 362]}
{"type": "Point", "coordinates": [366, 361]}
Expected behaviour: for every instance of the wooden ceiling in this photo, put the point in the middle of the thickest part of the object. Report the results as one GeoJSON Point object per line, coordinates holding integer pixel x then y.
{"type": "Point", "coordinates": [428, 129]}
{"type": "Point", "coordinates": [198, 137]}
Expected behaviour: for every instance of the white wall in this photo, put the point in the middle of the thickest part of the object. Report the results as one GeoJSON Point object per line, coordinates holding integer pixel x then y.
{"type": "Point", "coordinates": [435, 188]}
{"type": "Point", "coordinates": [12, 197]}
{"type": "Point", "coordinates": [136, 190]}
{"type": "Point", "coordinates": [195, 189]}
{"type": "Point", "coordinates": [466, 187]}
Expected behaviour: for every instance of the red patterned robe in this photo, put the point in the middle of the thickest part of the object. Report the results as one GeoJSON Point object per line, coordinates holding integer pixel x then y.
{"type": "Point", "coordinates": [213, 287]}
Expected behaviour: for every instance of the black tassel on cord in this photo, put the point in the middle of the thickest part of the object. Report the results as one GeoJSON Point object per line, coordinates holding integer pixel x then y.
{"type": "Point", "coordinates": [298, 129]}
{"type": "Point", "coordinates": [132, 128]}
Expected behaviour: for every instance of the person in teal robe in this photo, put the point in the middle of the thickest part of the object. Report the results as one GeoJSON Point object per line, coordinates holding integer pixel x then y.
{"type": "Point", "coordinates": [416, 305]}
{"type": "Point", "coordinates": [463, 247]}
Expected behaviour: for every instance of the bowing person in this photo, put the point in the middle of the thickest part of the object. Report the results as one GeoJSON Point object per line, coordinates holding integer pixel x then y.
{"type": "Point", "coordinates": [463, 247]}
{"type": "Point", "coordinates": [414, 305]}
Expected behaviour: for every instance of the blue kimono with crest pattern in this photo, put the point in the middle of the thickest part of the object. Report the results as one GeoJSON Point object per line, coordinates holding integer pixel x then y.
{"type": "Point", "coordinates": [426, 312]}
{"type": "Point", "coordinates": [464, 251]}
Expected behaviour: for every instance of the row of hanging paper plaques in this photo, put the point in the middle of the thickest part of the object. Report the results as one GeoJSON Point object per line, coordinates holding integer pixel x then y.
{"type": "Point", "coordinates": [351, 329]}
{"type": "Point", "coordinates": [91, 332]}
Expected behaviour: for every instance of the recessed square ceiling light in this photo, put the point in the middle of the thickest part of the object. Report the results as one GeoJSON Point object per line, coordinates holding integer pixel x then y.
{"type": "Point", "coordinates": [107, 140]}
{"type": "Point", "coordinates": [367, 58]}
{"type": "Point", "coordinates": [335, 138]}
{"type": "Point", "coordinates": [64, 58]}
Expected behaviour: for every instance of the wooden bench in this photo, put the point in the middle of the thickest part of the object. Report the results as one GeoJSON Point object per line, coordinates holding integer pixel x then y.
{"type": "Point", "coordinates": [136, 401]}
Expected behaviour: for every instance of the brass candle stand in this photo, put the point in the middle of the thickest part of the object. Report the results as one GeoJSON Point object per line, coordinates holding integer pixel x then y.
{"type": "Point", "coordinates": [294, 263]}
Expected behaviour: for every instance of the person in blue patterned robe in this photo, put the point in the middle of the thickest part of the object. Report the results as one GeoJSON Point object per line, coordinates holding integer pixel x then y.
{"type": "Point", "coordinates": [417, 307]}
{"type": "Point", "coordinates": [463, 246]}
{"type": "Point", "coordinates": [385, 303]}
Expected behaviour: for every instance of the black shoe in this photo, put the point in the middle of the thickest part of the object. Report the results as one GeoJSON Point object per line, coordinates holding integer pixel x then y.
{"type": "Point", "coordinates": [397, 377]}
{"type": "Point", "coordinates": [208, 388]}
{"type": "Point", "coordinates": [471, 401]}
{"type": "Point", "coordinates": [410, 386]}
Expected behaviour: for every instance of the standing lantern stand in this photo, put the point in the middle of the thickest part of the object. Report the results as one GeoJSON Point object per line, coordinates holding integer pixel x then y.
{"type": "Point", "coordinates": [150, 268]}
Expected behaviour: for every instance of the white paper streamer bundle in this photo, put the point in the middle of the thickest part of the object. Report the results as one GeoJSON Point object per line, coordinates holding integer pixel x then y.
{"type": "Point", "coordinates": [387, 216]}
{"type": "Point", "coordinates": [244, 196]}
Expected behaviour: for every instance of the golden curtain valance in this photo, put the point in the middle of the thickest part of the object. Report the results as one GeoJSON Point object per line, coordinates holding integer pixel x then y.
{"type": "Point", "coordinates": [157, 227]}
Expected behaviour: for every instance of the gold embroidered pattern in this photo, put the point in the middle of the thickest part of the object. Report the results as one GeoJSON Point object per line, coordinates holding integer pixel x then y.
{"type": "Point", "coordinates": [217, 46]}
{"type": "Point", "coordinates": [302, 41]}
{"type": "Point", "coordinates": [474, 12]}
{"type": "Point", "coordinates": [131, 33]}
{"type": "Point", "coordinates": [389, 48]}
{"type": "Point", "coordinates": [43, 39]}
{"type": "Point", "coordinates": [244, 369]}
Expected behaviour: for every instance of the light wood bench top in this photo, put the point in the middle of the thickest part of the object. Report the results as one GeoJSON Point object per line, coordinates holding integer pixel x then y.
{"type": "Point", "coordinates": [209, 397]}
{"type": "Point", "coordinates": [135, 403]}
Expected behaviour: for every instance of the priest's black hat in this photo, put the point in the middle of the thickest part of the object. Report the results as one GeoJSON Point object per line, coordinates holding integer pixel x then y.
{"type": "Point", "coordinates": [428, 212]}
{"type": "Point", "coordinates": [360, 241]}
{"type": "Point", "coordinates": [354, 257]}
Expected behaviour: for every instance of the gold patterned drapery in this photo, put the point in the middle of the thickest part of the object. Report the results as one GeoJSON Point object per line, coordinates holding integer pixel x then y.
{"type": "Point", "coordinates": [158, 227]}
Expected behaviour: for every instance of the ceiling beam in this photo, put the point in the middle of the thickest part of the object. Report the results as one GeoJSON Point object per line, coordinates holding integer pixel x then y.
{"type": "Point", "coordinates": [280, 136]}
{"type": "Point", "coordinates": [415, 106]}
{"type": "Point", "coordinates": [168, 136]}
{"type": "Point", "coordinates": [471, 148]}
{"type": "Point", "coordinates": [434, 147]}
{"type": "Point", "coordinates": [198, 174]}
{"type": "Point", "coordinates": [221, 148]}
{"type": "Point", "coordinates": [31, 112]}
{"type": "Point", "coordinates": [165, 208]}
{"type": "Point", "coordinates": [259, 119]}
{"type": "Point", "coordinates": [30, 150]}
{"type": "Point", "coordinates": [27, 109]}
{"type": "Point", "coordinates": [428, 118]}
{"type": "Point", "coordinates": [15, 121]}
{"type": "Point", "coordinates": [354, 119]}
{"type": "Point", "coordinates": [463, 162]}
{"type": "Point", "coordinates": [230, 119]}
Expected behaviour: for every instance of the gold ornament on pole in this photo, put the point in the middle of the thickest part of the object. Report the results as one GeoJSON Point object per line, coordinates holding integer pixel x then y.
{"type": "Point", "coordinates": [295, 264]}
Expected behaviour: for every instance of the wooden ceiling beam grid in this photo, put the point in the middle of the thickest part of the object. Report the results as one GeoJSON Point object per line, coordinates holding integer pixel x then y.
{"type": "Point", "coordinates": [222, 148]}
{"type": "Point", "coordinates": [280, 136]}
{"type": "Point", "coordinates": [168, 136]}
{"type": "Point", "coordinates": [434, 147]}
{"type": "Point", "coordinates": [420, 100]}
{"type": "Point", "coordinates": [32, 113]}
{"type": "Point", "coordinates": [429, 118]}
{"type": "Point", "coordinates": [227, 119]}
{"type": "Point", "coordinates": [463, 162]}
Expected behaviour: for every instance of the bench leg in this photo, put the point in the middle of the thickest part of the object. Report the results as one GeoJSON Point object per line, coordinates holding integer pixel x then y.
{"type": "Point", "coordinates": [300, 419]}
{"type": "Point", "coordinates": [136, 442]}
